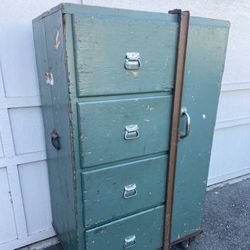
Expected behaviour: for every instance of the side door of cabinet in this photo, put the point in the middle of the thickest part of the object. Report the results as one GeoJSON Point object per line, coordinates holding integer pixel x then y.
{"type": "Point", "coordinates": [207, 42]}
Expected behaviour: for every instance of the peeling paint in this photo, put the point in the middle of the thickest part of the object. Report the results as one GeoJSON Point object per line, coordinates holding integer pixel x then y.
{"type": "Point", "coordinates": [57, 40]}
{"type": "Point", "coordinates": [150, 108]}
{"type": "Point", "coordinates": [88, 153]}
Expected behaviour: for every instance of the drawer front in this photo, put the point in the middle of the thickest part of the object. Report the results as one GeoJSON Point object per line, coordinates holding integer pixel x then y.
{"type": "Point", "coordinates": [102, 43]}
{"type": "Point", "coordinates": [143, 231]}
{"type": "Point", "coordinates": [123, 189]}
{"type": "Point", "coordinates": [115, 130]}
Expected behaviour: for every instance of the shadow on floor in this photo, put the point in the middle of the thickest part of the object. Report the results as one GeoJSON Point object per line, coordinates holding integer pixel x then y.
{"type": "Point", "coordinates": [226, 222]}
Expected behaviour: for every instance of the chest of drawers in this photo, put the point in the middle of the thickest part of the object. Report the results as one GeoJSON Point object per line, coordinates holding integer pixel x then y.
{"type": "Point", "coordinates": [106, 80]}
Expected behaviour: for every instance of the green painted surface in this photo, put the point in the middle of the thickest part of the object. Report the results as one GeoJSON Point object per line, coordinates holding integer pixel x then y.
{"type": "Point", "coordinates": [147, 227]}
{"type": "Point", "coordinates": [55, 113]}
{"type": "Point", "coordinates": [94, 98]}
{"type": "Point", "coordinates": [101, 43]}
{"type": "Point", "coordinates": [104, 199]}
{"type": "Point", "coordinates": [63, 173]}
{"type": "Point", "coordinates": [67, 18]}
{"type": "Point", "coordinates": [102, 128]}
{"type": "Point", "coordinates": [204, 66]}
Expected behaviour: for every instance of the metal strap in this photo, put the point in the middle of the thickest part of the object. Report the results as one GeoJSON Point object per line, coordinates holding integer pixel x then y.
{"type": "Point", "coordinates": [176, 109]}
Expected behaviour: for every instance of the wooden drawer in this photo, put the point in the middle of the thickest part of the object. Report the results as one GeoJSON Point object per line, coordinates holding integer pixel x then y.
{"type": "Point", "coordinates": [143, 231]}
{"type": "Point", "coordinates": [114, 130]}
{"type": "Point", "coordinates": [101, 45]}
{"type": "Point", "coordinates": [123, 189]}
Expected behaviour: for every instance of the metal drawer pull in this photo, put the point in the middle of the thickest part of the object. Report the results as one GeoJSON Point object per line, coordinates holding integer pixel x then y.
{"type": "Point", "coordinates": [188, 123]}
{"type": "Point", "coordinates": [129, 241]}
{"type": "Point", "coordinates": [131, 132]}
{"type": "Point", "coordinates": [132, 61]}
{"type": "Point", "coordinates": [130, 191]}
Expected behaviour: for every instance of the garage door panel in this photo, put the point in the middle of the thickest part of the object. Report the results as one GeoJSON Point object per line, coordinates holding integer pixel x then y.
{"type": "Point", "coordinates": [7, 219]}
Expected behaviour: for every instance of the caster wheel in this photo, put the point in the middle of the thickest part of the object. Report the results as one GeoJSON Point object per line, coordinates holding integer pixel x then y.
{"type": "Point", "coordinates": [185, 244]}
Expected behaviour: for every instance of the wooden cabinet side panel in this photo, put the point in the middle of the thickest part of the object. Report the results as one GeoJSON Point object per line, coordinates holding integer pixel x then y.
{"type": "Point", "coordinates": [50, 56]}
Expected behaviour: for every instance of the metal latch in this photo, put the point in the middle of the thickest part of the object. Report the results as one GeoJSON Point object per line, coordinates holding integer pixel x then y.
{"type": "Point", "coordinates": [131, 132]}
{"type": "Point", "coordinates": [132, 61]}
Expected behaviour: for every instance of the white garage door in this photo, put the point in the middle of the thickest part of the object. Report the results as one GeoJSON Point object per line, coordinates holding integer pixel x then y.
{"type": "Point", "coordinates": [25, 213]}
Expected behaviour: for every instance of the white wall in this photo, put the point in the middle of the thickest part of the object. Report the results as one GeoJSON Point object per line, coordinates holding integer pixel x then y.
{"type": "Point", "coordinates": [25, 214]}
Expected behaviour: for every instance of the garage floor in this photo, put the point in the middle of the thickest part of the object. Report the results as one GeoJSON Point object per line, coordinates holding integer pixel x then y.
{"type": "Point", "coordinates": [226, 222]}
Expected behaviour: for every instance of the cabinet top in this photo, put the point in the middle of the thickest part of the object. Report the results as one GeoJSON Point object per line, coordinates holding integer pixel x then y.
{"type": "Point", "coordinates": [70, 8]}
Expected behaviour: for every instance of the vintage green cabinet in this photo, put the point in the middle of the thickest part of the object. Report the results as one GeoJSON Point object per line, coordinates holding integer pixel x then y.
{"type": "Point", "coordinates": [106, 80]}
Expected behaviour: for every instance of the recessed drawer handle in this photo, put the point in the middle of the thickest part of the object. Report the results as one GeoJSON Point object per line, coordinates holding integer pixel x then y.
{"type": "Point", "coordinates": [129, 241]}
{"type": "Point", "coordinates": [130, 191]}
{"type": "Point", "coordinates": [132, 61]}
{"type": "Point", "coordinates": [131, 132]}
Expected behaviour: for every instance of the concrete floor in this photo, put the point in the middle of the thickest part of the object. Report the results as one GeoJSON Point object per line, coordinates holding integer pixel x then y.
{"type": "Point", "coordinates": [226, 222]}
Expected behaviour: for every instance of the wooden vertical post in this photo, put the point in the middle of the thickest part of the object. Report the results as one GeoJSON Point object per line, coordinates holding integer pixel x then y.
{"type": "Point", "coordinates": [176, 110]}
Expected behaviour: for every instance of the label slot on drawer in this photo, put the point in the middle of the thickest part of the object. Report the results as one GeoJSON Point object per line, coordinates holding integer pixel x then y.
{"type": "Point", "coordinates": [120, 190]}
{"type": "Point", "coordinates": [116, 130]}
{"type": "Point", "coordinates": [140, 231]}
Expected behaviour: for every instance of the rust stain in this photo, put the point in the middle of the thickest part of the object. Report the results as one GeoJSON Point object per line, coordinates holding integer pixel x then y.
{"type": "Point", "coordinates": [134, 73]}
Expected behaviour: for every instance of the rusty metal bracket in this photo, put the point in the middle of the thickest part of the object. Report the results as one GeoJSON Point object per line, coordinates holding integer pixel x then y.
{"type": "Point", "coordinates": [55, 140]}
{"type": "Point", "coordinates": [189, 238]}
{"type": "Point", "coordinates": [176, 109]}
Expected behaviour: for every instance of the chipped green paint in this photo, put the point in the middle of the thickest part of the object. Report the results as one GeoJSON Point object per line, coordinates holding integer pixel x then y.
{"type": "Point", "coordinates": [91, 102]}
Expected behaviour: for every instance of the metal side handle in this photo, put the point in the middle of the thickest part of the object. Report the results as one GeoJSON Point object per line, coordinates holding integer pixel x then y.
{"type": "Point", "coordinates": [55, 140]}
{"type": "Point", "coordinates": [188, 123]}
